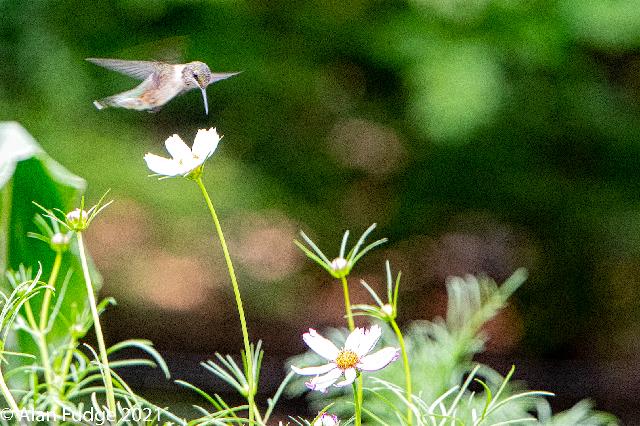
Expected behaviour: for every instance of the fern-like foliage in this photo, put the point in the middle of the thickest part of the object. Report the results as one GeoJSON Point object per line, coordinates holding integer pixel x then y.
{"type": "Point", "coordinates": [448, 387]}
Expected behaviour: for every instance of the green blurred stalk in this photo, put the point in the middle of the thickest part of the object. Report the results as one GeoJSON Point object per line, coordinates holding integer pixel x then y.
{"type": "Point", "coordinates": [111, 399]}
{"type": "Point", "coordinates": [357, 387]}
{"type": "Point", "coordinates": [407, 371]}
{"type": "Point", "coordinates": [236, 292]}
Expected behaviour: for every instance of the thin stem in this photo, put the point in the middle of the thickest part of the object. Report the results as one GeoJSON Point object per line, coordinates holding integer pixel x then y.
{"type": "Point", "coordinates": [46, 301]}
{"type": "Point", "coordinates": [41, 342]}
{"type": "Point", "coordinates": [407, 371]}
{"type": "Point", "coordinates": [347, 304]}
{"type": "Point", "coordinates": [8, 397]}
{"type": "Point", "coordinates": [357, 387]}
{"type": "Point", "coordinates": [102, 349]}
{"type": "Point", "coordinates": [359, 390]}
{"type": "Point", "coordinates": [64, 370]}
{"type": "Point", "coordinates": [39, 331]}
{"type": "Point", "coordinates": [356, 403]}
{"type": "Point", "coordinates": [236, 292]}
{"type": "Point", "coordinates": [65, 366]}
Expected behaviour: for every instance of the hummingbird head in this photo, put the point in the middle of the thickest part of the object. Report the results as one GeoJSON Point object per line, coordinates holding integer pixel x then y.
{"type": "Point", "coordinates": [197, 75]}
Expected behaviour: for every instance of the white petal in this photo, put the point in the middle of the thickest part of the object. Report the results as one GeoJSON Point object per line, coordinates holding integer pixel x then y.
{"type": "Point", "coordinates": [205, 143]}
{"type": "Point", "coordinates": [188, 164]}
{"type": "Point", "coordinates": [368, 340]}
{"type": "Point", "coordinates": [378, 360]}
{"type": "Point", "coordinates": [161, 165]}
{"type": "Point", "coordinates": [321, 383]}
{"type": "Point", "coordinates": [326, 420]}
{"type": "Point", "coordinates": [349, 376]}
{"type": "Point", "coordinates": [354, 339]}
{"type": "Point", "coordinates": [314, 371]}
{"type": "Point", "coordinates": [320, 345]}
{"type": "Point", "coordinates": [177, 148]}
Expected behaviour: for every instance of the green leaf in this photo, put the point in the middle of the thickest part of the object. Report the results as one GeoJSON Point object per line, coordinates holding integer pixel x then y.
{"type": "Point", "coordinates": [28, 174]}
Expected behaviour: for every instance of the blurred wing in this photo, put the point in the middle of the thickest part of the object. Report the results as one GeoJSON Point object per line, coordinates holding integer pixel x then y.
{"type": "Point", "coordinates": [136, 69]}
{"type": "Point", "coordinates": [217, 76]}
{"type": "Point", "coordinates": [169, 50]}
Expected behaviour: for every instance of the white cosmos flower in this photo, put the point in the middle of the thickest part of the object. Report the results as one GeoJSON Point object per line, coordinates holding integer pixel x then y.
{"type": "Point", "coordinates": [327, 419]}
{"type": "Point", "coordinates": [348, 361]}
{"type": "Point", "coordinates": [184, 160]}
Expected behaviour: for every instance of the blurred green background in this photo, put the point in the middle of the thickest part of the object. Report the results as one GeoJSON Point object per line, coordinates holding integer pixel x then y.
{"type": "Point", "coordinates": [481, 135]}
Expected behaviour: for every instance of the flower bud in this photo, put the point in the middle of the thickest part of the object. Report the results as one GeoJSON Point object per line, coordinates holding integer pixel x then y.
{"type": "Point", "coordinates": [340, 266]}
{"type": "Point", "coordinates": [387, 309]}
{"type": "Point", "coordinates": [77, 219]}
{"type": "Point", "coordinates": [60, 241]}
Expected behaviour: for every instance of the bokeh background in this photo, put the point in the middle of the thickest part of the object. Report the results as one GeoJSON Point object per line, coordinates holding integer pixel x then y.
{"type": "Point", "coordinates": [481, 135]}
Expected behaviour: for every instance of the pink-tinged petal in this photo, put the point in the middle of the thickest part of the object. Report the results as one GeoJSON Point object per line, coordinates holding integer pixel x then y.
{"type": "Point", "coordinates": [177, 148]}
{"type": "Point", "coordinates": [323, 347]}
{"type": "Point", "coordinates": [321, 383]}
{"type": "Point", "coordinates": [368, 340]}
{"type": "Point", "coordinates": [353, 340]}
{"type": "Point", "coordinates": [349, 376]}
{"type": "Point", "coordinates": [205, 143]}
{"type": "Point", "coordinates": [161, 165]}
{"type": "Point", "coordinates": [327, 420]}
{"type": "Point", "coordinates": [378, 360]}
{"type": "Point", "coordinates": [314, 371]}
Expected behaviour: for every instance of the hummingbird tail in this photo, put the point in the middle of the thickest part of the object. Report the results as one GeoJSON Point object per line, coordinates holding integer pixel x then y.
{"type": "Point", "coordinates": [100, 104]}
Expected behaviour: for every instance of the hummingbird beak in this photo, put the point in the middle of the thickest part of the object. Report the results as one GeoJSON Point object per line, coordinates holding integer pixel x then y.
{"type": "Point", "coordinates": [204, 97]}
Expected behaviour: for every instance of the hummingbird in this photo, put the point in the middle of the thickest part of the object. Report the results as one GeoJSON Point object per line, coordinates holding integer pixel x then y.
{"type": "Point", "coordinates": [161, 82]}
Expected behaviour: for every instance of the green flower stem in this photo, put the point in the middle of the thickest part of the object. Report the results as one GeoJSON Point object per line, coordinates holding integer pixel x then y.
{"type": "Point", "coordinates": [407, 371]}
{"type": "Point", "coordinates": [4, 389]}
{"type": "Point", "coordinates": [102, 349]}
{"type": "Point", "coordinates": [66, 362]}
{"type": "Point", "coordinates": [357, 388]}
{"type": "Point", "coordinates": [236, 292]}
{"type": "Point", "coordinates": [347, 304]}
{"type": "Point", "coordinates": [356, 402]}
{"type": "Point", "coordinates": [41, 338]}
{"type": "Point", "coordinates": [46, 301]}
{"type": "Point", "coordinates": [41, 342]}
{"type": "Point", "coordinates": [8, 397]}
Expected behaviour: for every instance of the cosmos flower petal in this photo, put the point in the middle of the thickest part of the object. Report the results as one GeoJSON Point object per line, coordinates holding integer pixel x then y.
{"type": "Point", "coordinates": [378, 360]}
{"type": "Point", "coordinates": [368, 340]}
{"type": "Point", "coordinates": [327, 420]}
{"type": "Point", "coordinates": [190, 164]}
{"type": "Point", "coordinates": [162, 166]}
{"type": "Point", "coordinates": [205, 143]}
{"type": "Point", "coordinates": [321, 383]}
{"type": "Point", "coordinates": [349, 376]}
{"type": "Point", "coordinates": [177, 148]}
{"type": "Point", "coordinates": [323, 347]}
{"type": "Point", "coordinates": [185, 162]}
{"type": "Point", "coordinates": [353, 340]}
{"type": "Point", "coordinates": [314, 371]}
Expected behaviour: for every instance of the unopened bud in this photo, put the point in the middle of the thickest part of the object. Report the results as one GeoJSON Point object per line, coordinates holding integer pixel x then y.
{"type": "Point", "coordinates": [340, 267]}
{"type": "Point", "coordinates": [77, 219]}
{"type": "Point", "coordinates": [59, 241]}
{"type": "Point", "coordinates": [339, 263]}
{"type": "Point", "coordinates": [387, 309]}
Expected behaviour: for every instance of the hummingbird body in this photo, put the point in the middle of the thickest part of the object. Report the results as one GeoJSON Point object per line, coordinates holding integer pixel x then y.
{"type": "Point", "coordinates": [161, 82]}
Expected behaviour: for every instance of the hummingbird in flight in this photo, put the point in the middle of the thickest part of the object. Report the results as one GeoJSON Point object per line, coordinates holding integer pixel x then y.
{"type": "Point", "coordinates": [161, 82]}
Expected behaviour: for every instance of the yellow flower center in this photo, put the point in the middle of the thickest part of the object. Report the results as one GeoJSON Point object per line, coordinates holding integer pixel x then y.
{"type": "Point", "coordinates": [347, 359]}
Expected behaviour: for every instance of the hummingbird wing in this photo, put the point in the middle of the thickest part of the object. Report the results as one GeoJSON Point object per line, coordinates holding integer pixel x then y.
{"type": "Point", "coordinates": [136, 69]}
